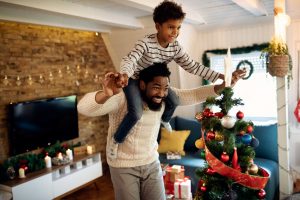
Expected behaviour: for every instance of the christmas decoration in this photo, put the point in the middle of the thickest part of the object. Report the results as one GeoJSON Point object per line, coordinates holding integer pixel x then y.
{"type": "Point", "coordinates": [199, 143]}
{"type": "Point", "coordinates": [261, 194]}
{"type": "Point", "coordinates": [240, 115]}
{"type": "Point", "coordinates": [297, 111]}
{"type": "Point", "coordinates": [229, 172]}
{"type": "Point", "coordinates": [227, 121]}
{"type": "Point", "coordinates": [225, 157]}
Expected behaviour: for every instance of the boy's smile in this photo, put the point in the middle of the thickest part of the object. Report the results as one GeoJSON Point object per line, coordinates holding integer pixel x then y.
{"type": "Point", "coordinates": [168, 31]}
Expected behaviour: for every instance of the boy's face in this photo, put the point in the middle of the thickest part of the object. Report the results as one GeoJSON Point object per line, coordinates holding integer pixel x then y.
{"type": "Point", "coordinates": [154, 92]}
{"type": "Point", "coordinates": [168, 31]}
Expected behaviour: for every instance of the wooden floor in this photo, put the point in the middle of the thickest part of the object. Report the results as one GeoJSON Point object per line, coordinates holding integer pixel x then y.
{"type": "Point", "coordinates": [102, 189]}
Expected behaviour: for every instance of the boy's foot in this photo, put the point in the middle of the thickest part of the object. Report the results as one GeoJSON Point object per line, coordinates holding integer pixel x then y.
{"type": "Point", "coordinates": [167, 125]}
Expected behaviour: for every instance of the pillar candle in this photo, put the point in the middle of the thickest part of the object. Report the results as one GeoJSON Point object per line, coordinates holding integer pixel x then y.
{"type": "Point", "coordinates": [69, 154]}
{"type": "Point", "coordinates": [21, 173]}
{"type": "Point", "coordinates": [227, 68]}
{"type": "Point", "coordinates": [48, 161]}
{"type": "Point", "coordinates": [89, 149]}
{"type": "Point", "coordinates": [59, 156]}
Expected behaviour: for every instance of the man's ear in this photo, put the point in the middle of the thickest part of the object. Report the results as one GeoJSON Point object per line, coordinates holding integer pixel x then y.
{"type": "Point", "coordinates": [142, 85]}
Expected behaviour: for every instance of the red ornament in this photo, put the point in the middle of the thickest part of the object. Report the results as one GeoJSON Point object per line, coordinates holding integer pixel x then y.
{"type": "Point", "coordinates": [203, 188]}
{"type": "Point", "coordinates": [210, 171]}
{"type": "Point", "coordinates": [201, 183]}
{"type": "Point", "coordinates": [206, 112]}
{"type": "Point", "coordinates": [261, 194]}
{"type": "Point", "coordinates": [210, 135]}
{"type": "Point", "coordinates": [235, 163]}
{"type": "Point", "coordinates": [297, 111]}
{"type": "Point", "coordinates": [240, 115]}
{"type": "Point", "coordinates": [224, 157]}
{"type": "Point", "coordinates": [249, 129]}
{"type": "Point", "coordinates": [219, 115]}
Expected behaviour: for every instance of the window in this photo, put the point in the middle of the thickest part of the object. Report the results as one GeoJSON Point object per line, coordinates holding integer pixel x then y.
{"type": "Point", "coordinates": [258, 92]}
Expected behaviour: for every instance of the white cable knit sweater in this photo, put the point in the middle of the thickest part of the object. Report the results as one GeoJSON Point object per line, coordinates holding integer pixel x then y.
{"type": "Point", "coordinates": [140, 145]}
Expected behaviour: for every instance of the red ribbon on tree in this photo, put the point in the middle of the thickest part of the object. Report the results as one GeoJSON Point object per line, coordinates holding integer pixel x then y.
{"type": "Point", "coordinates": [250, 181]}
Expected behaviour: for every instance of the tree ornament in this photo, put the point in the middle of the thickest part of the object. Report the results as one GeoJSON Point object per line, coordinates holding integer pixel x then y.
{"type": "Point", "coordinates": [227, 121]}
{"type": "Point", "coordinates": [200, 143]}
{"type": "Point", "coordinates": [253, 169]}
{"type": "Point", "coordinates": [246, 139]}
{"type": "Point", "coordinates": [224, 157]}
{"type": "Point", "coordinates": [201, 183]}
{"type": "Point", "coordinates": [206, 112]}
{"type": "Point", "coordinates": [219, 115]}
{"type": "Point", "coordinates": [199, 116]}
{"type": "Point", "coordinates": [261, 194]}
{"type": "Point", "coordinates": [219, 137]}
{"type": "Point", "coordinates": [203, 188]}
{"type": "Point", "coordinates": [202, 154]}
{"type": "Point", "coordinates": [210, 135]}
{"type": "Point", "coordinates": [249, 129]}
{"type": "Point", "coordinates": [210, 171]}
{"type": "Point", "coordinates": [254, 142]}
{"type": "Point", "coordinates": [240, 115]}
{"type": "Point", "coordinates": [234, 162]}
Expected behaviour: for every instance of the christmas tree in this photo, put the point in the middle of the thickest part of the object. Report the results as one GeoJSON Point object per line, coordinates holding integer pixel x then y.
{"type": "Point", "coordinates": [228, 147]}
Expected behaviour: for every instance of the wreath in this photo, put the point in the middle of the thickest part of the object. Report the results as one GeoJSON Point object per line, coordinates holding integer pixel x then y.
{"type": "Point", "coordinates": [246, 64]}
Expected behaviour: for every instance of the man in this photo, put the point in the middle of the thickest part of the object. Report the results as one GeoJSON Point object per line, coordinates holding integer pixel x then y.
{"type": "Point", "coordinates": [134, 165]}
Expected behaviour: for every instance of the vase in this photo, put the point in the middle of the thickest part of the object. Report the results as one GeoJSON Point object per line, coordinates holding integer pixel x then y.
{"type": "Point", "coordinates": [278, 65]}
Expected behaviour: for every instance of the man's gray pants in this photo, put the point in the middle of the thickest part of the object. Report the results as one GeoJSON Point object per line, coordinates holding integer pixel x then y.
{"type": "Point", "coordinates": [138, 183]}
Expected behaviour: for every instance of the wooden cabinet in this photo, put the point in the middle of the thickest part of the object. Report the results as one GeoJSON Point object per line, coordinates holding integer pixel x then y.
{"type": "Point", "coordinates": [56, 181]}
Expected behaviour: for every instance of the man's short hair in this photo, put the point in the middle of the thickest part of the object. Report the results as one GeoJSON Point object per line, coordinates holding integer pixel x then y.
{"type": "Point", "coordinates": [157, 69]}
{"type": "Point", "coordinates": [167, 10]}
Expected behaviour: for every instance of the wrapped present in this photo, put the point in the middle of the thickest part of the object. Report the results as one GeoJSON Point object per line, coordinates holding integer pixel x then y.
{"type": "Point", "coordinates": [176, 168]}
{"type": "Point", "coordinates": [189, 198]}
{"type": "Point", "coordinates": [169, 188]}
{"type": "Point", "coordinates": [182, 188]}
{"type": "Point", "coordinates": [172, 175]}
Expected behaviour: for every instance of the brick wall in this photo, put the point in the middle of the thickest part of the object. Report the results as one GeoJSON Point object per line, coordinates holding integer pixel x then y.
{"type": "Point", "coordinates": [32, 50]}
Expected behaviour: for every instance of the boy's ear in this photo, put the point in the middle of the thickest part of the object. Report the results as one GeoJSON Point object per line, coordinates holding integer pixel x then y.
{"type": "Point", "coordinates": [142, 85]}
{"type": "Point", "coordinates": [157, 25]}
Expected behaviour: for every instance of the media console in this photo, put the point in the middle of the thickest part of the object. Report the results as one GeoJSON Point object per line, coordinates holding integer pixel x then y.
{"type": "Point", "coordinates": [55, 182]}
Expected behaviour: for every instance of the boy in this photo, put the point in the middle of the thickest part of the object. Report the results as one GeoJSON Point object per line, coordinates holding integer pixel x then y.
{"type": "Point", "coordinates": [161, 47]}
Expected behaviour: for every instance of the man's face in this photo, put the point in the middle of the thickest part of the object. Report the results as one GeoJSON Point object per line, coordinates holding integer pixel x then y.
{"type": "Point", "coordinates": [168, 31]}
{"type": "Point", "coordinates": [155, 91]}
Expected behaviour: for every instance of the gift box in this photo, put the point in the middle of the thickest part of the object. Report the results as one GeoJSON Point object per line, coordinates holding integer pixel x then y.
{"type": "Point", "coordinates": [182, 188]}
{"type": "Point", "coordinates": [169, 188]}
{"type": "Point", "coordinates": [189, 198]}
{"type": "Point", "coordinates": [173, 174]}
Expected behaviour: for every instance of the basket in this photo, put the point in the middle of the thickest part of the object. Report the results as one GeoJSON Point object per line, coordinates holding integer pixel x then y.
{"type": "Point", "coordinates": [278, 65]}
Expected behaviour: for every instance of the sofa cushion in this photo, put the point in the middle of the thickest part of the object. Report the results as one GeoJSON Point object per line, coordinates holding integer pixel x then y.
{"type": "Point", "coordinates": [195, 127]}
{"type": "Point", "coordinates": [267, 136]}
{"type": "Point", "coordinates": [172, 141]}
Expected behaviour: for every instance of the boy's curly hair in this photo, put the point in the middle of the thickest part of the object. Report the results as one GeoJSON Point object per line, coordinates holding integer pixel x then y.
{"type": "Point", "coordinates": [167, 10]}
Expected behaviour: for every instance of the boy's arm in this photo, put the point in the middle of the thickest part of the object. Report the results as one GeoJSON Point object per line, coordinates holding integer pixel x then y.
{"type": "Point", "coordinates": [193, 67]}
{"type": "Point", "coordinates": [129, 62]}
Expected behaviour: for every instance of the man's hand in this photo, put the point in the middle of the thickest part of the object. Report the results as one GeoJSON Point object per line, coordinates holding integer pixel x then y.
{"type": "Point", "coordinates": [121, 80]}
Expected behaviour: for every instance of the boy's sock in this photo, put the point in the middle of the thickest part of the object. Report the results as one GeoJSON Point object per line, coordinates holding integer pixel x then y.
{"type": "Point", "coordinates": [167, 125]}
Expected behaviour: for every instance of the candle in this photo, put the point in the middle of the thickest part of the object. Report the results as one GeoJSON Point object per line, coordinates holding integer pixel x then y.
{"type": "Point", "coordinates": [59, 156]}
{"type": "Point", "coordinates": [89, 149]}
{"type": "Point", "coordinates": [69, 154]}
{"type": "Point", "coordinates": [227, 68]}
{"type": "Point", "coordinates": [21, 173]}
{"type": "Point", "coordinates": [48, 161]}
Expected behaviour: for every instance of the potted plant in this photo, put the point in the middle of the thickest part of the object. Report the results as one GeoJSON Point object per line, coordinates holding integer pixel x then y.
{"type": "Point", "coordinates": [278, 59]}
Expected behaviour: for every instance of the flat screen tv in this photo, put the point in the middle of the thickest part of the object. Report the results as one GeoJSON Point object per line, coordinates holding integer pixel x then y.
{"type": "Point", "coordinates": [40, 123]}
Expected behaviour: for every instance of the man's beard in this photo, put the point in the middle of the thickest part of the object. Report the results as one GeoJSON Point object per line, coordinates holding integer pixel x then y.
{"type": "Point", "coordinates": [151, 104]}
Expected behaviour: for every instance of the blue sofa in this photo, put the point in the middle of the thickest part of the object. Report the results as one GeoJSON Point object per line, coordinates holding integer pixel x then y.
{"type": "Point", "coordinates": [266, 153]}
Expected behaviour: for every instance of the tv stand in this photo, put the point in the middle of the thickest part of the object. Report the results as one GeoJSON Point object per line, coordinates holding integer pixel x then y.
{"type": "Point", "coordinates": [55, 182]}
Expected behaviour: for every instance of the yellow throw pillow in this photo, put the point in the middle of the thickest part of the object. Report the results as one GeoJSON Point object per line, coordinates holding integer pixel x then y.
{"type": "Point", "coordinates": [172, 141]}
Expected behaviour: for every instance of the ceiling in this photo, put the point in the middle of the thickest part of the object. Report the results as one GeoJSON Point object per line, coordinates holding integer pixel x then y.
{"type": "Point", "coordinates": [104, 15]}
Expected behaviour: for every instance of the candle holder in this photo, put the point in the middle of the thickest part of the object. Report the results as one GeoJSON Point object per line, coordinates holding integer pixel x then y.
{"type": "Point", "coordinates": [57, 161]}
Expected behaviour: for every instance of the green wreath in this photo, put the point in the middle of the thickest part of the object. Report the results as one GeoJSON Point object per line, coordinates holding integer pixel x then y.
{"type": "Point", "coordinates": [250, 66]}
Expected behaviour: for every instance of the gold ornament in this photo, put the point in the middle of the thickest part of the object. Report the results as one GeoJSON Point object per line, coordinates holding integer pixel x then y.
{"type": "Point", "coordinates": [199, 143]}
{"type": "Point", "coordinates": [219, 137]}
{"type": "Point", "coordinates": [253, 169]}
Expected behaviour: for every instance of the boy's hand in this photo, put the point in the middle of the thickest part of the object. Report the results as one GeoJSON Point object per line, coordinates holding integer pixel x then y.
{"type": "Point", "coordinates": [121, 80]}
{"type": "Point", "coordinates": [109, 84]}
